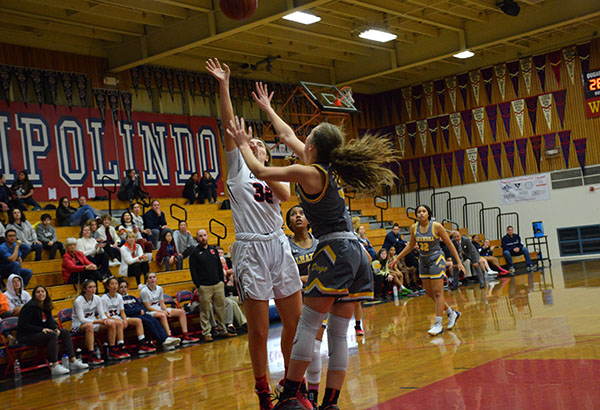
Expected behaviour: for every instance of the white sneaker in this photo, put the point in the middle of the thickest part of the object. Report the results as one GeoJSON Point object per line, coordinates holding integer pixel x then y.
{"type": "Point", "coordinates": [78, 365]}
{"type": "Point", "coordinates": [59, 370]}
{"type": "Point", "coordinates": [452, 318]}
{"type": "Point", "coordinates": [492, 272]}
{"type": "Point", "coordinates": [172, 341]}
{"type": "Point", "coordinates": [436, 329]}
{"type": "Point", "coordinates": [114, 262]}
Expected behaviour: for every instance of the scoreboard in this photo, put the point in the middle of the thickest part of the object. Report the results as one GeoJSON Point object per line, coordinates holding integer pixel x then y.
{"type": "Point", "coordinates": [591, 84]}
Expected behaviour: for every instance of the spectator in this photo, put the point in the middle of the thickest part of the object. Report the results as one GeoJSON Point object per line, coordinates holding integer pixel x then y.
{"type": "Point", "coordinates": [10, 258]}
{"type": "Point", "coordinates": [155, 220]}
{"type": "Point", "coordinates": [47, 236]}
{"type": "Point", "coordinates": [362, 238]}
{"type": "Point", "coordinates": [93, 250]}
{"type": "Point", "coordinates": [483, 262]}
{"type": "Point", "coordinates": [184, 241]}
{"type": "Point", "coordinates": [153, 298]}
{"type": "Point", "coordinates": [66, 215]}
{"type": "Point", "coordinates": [23, 189]}
{"type": "Point", "coordinates": [208, 188]}
{"type": "Point", "coordinates": [25, 233]}
{"type": "Point", "coordinates": [229, 279]}
{"type": "Point", "coordinates": [133, 308]}
{"type": "Point", "coordinates": [167, 255]}
{"type": "Point", "coordinates": [467, 250]}
{"type": "Point", "coordinates": [131, 188]}
{"type": "Point", "coordinates": [89, 318]}
{"type": "Point", "coordinates": [233, 313]}
{"type": "Point", "coordinates": [16, 294]}
{"type": "Point", "coordinates": [7, 200]}
{"type": "Point", "coordinates": [486, 253]}
{"type": "Point", "coordinates": [393, 238]}
{"type": "Point", "coordinates": [207, 275]}
{"type": "Point", "coordinates": [76, 267]}
{"type": "Point", "coordinates": [37, 327]}
{"type": "Point", "coordinates": [2, 233]}
{"type": "Point", "coordinates": [191, 190]}
{"type": "Point", "coordinates": [512, 246]}
{"type": "Point", "coordinates": [134, 262]}
{"type": "Point", "coordinates": [107, 234]}
{"type": "Point", "coordinates": [400, 273]}
{"type": "Point", "coordinates": [381, 274]}
{"type": "Point", "coordinates": [82, 201]}
{"type": "Point", "coordinates": [138, 220]}
{"type": "Point", "coordinates": [4, 309]}
{"type": "Point", "coordinates": [128, 226]}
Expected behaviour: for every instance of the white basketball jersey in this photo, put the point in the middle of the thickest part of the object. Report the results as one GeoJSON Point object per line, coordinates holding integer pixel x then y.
{"type": "Point", "coordinates": [254, 206]}
{"type": "Point", "coordinates": [112, 306]}
{"type": "Point", "coordinates": [152, 296]}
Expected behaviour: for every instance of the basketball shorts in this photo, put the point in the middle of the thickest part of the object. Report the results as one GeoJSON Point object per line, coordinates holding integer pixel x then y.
{"type": "Point", "coordinates": [340, 268]}
{"type": "Point", "coordinates": [153, 312]}
{"type": "Point", "coordinates": [432, 266]}
{"type": "Point", "coordinates": [76, 330]}
{"type": "Point", "coordinates": [264, 266]}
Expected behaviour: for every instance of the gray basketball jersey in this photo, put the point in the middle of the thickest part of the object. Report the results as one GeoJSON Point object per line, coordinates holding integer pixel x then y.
{"type": "Point", "coordinates": [428, 242]}
{"type": "Point", "coordinates": [302, 256]}
{"type": "Point", "coordinates": [326, 211]}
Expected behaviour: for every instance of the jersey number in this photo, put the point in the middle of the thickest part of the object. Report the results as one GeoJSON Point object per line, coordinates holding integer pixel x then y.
{"type": "Point", "coordinates": [262, 193]}
{"type": "Point", "coordinates": [424, 246]}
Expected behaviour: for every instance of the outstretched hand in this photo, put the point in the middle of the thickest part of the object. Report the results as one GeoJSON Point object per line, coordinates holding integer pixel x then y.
{"type": "Point", "coordinates": [237, 130]}
{"type": "Point", "coordinates": [262, 97]}
{"type": "Point", "coordinates": [221, 74]}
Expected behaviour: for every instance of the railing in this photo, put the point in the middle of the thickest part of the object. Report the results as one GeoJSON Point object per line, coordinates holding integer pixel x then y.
{"type": "Point", "coordinates": [413, 210]}
{"type": "Point", "coordinates": [471, 215]}
{"type": "Point", "coordinates": [453, 224]}
{"type": "Point", "coordinates": [488, 222]}
{"type": "Point", "coordinates": [173, 214]}
{"type": "Point", "coordinates": [386, 202]}
{"type": "Point", "coordinates": [456, 213]}
{"type": "Point", "coordinates": [350, 195]}
{"type": "Point", "coordinates": [409, 195]}
{"type": "Point", "coordinates": [400, 190]}
{"type": "Point", "coordinates": [440, 211]}
{"type": "Point", "coordinates": [210, 228]}
{"type": "Point", "coordinates": [424, 195]}
{"type": "Point", "coordinates": [513, 221]}
{"type": "Point", "coordinates": [114, 181]}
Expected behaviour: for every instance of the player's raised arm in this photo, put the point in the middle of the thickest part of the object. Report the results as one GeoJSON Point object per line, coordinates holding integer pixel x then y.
{"type": "Point", "coordinates": [221, 74]}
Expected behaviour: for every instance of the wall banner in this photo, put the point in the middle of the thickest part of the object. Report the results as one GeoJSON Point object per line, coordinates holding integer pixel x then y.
{"type": "Point", "coordinates": [524, 189]}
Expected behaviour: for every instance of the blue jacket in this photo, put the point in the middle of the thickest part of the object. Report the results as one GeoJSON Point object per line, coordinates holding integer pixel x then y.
{"type": "Point", "coordinates": [132, 306]}
{"type": "Point", "coordinates": [6, 252]}
{"type": "Point", "coordinates": [153, 221]}
{"type": "Point", "coordinates": [392, 240]}
{"type": "Point", "coordinates": [509, 243]}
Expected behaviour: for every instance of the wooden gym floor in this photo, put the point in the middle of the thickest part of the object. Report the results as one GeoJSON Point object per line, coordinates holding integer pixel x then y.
{"type": "Point", "coordinates": [530, 342]}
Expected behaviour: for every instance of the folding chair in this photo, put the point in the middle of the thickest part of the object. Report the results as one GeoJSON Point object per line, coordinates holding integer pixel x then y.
{"type": "Point", "coordinates": [64, 317]}
{"type": "Point", "coordinates": [184, 297]}
{"type": "Point", "coordinates": [14, 351]}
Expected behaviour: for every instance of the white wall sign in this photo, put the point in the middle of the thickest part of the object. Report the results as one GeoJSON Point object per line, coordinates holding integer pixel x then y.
{"type": "Point", "coordinates": [524, 189]}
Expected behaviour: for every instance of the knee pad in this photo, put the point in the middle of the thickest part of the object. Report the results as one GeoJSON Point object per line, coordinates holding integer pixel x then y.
{"type": "Point", "coordinates": [313, 372]}
{"type": "Point", "coordinates": [308, 326]}
{"type": "Point", "coordinates": [337, 330]}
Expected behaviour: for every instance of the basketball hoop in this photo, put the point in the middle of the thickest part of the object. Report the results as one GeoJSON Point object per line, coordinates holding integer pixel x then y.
{"type": "Point", "coordinates": [344, 97]}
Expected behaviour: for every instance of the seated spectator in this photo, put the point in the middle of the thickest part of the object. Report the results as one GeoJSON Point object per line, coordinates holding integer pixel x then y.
{"type": "Point", "coordinates": [25, 233]}
{"type": "Point", "coordinates": [23, 189]}
{"type": "Point", "coordinates": [82, 201]}
{"type": "Point", "coordinates": [152, 297]}
{"type": "Point", "coordinates": [66, 215]}
{"type": "Point", "coordinates": [483, 261]}
{"type": "Point", "coordinates": [76, 267]}
{"type": "Point", "coordinates": [362, 238]}
{"type": "Point", "coordinates": [47, 236]}
{"type": "Point", "coordinates": [11, 259]}
{"type": "Point", "coordinates": [184, 241]}
{"type": "Point", "coordinates": [512, 246]}
{"type": "Point", "coordinates": [167, 255]}
{"type": "Point", "coordinates": [381, 273]}
{"type": "Point", "coordinates": [134, 262]}
{"type": "Point", "coordinates": [134, 309]}
{"type": "Point", "coordinates": [131, 188]}
{"type": "Point", "coordinates": [400, 273]}
{"type": "Point", "coordinates": [208, 188]}
{"type": "Point", "coordinates": [155, 220]}
{"type": "Point", "coordinates": [107, 234]}
{"type": "Point", "coordinates": [465, 248]}
{"type": "Point", "coordinates": [4, 306]}
{"type": "Point", "coordinates": [138, 220]}
{"type": "Point", "coordinates": [93, 250]}
{"type": "Point", "coordinates": [16, 294]}
{"type": "Point", "coordinates": [37, 327]}
{"type": "Point", "coordinates": [7, 200]}
{"type": "Point", "coordinates": [128, 226]}
{"type": "Point", "coordinates": [191, 190]}
{"type": "Point", "coordinates": [2, 233]}
{"type": "Point", "coordinates": [89, 318]}
{"type": "Point", "coordinates": [229, 277]}
{"type": "Point", "coordinates": [486, 253]}
{"type": "Point", "coordinates": [393, 238]}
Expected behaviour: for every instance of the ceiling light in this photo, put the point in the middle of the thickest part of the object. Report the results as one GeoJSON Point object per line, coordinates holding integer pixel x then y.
{"type": "Point", "coordinates": [464, 54]}
{"type": "Point", "coordinates": [302, 17]}
{"type": "Point", "coordinates": [378, 35]}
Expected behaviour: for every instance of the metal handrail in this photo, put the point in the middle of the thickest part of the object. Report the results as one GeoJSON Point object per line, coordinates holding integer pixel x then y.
{"type": "Point", "coordinates": [210, 229]}
{"type": "Point", "coordinates": [414, 210]}
{"type": "Point", "coordinates": [386, 199]}
{"type": "Point", "coordinates": [465, 218]}
{"type": "Point", "coordinates": [499, 222]}
{"type": "Point", "coordinates": [452, 223]}
{"type": "Point", "coordinates": [481, 218]}
{"type": "Point", "coordinates": [434, 205]}
{"type": "Point", "coordinates": [449, 205]}
{"type": "Point", "coordinates": [173, 215]}
{"type": "Point", "coordinates": [350, 198]}
{"type": "Point", "coordinates": [114, 181]}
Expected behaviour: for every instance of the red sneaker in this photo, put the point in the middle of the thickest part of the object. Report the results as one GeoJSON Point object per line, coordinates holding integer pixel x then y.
{"type": "Point", "coordinates": [265, 398]}
{"type": "Point", "coordinates": [114, 354]}
{"type": "Point", "coordinates": [145, 349]}
{"type": "Point", "coordinates": [302, 396]}
{"type": "Point", "coordinates": [123, 352]}
{"type": "Point", "coordinates": [187, 339]}
{"type": "Point", "coordinates": [92, 360]}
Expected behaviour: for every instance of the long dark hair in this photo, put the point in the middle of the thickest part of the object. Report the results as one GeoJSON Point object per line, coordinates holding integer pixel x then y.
{"type": "Point", "coordinates": [288, 219]}
{"type": "Point", "coordinates": [359, 163]}
{"type": "Point", "coordinates": [123, 219]}
{"type": "Point", "coordinates": [47, 303]}
{"type": "Point", "coordinates": [383, 261]}
{"type": "Point", "coordinates": [18, 182]}
{"type": "Point", "coordinates": [60, 202]}
{"type": "Point", "coordinates": [85, 285]}
{"type": "Point", "coordinates": [11, 218]}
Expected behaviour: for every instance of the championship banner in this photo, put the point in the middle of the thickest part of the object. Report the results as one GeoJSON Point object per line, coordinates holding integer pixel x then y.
{"type": "Point", "coordinates": [416, 170]}
{"type": "Point", "coordinates": [459, 156]}
{"type": "Point", "coordinates": [569, 54]}
{"type": "Point", "coordinates": [440, 88]}
{"type": "Point", "coordinates": [518, 107]}
{"type": "Point", "coordinates": [463, 82]}
{"type": "Point", "coordinates": [583, 50]}
{"type": "Point", "coordinates": [531, 103]}
{"type": "Point", "coordinates": [555, 60]}
{"type": "Point", "coordinates": [437, 166]}
{"type": "Point", "coordinates": [565, 142]}
{"type": "Point", "coordinates": [445, 126]}
{"type": "Point", "coordinates": [492, 114]}
{"type": "Point", "coordinates": [525, 66]}
{"type": "Point", "coordinates": [422, 130]}
{"type": "Point", "coordinates": [455, 121]}
{"type": "Point", "coordinates": [539, 62]}
{"type": "Point", "coordinates": [505, 114]}
{"type": "Point", "coordinates": [475, 78]}
{"type": "Point", "coordinates": [513, 72]}
{"type": "Point", "coordinates": [451, 87]}
{"type": "Point", "coordinates": [411, 129]}
{"type": "Point", "coordinates": [592, 108]}
{"type": "Point", "coordinates": [407, 97]}
{"type": "Point", "coordinates": [472, 158]}
{"type": "Point", "coordinates": [401, 133]}
{"type": "Point", "coordinates": [63, 148]}
{"type": "Point", "coordinates": [432, 124]}
{"type": "Point", "coordinates": [467, 117]}
{"type": "Point", "coordinates": [560, 98]}
{"type": "Point", "coordinates": [478, 116]}
{"type": "Point", "coordinates": [448, 164]}
{"type": "Point", "coordinates": [522, 150]}
{"type": "Point", "coordinates": [546, 104]}
{"type": "Point", "coordinates": [488, 76]}
{"type": "Point", "coordinates": [580, 145]}
{"type": "Point", "coordinates": [500, 71]}
{"type": "Point", "coordinates": [509, 150]}
{"type": "Point", "coordinates": [428, 91]}
{"type": "Point", "coordinates": [426, 163]}
{"type": "Point", "coordinates": [417, 93]}
{"type": "Point", "coordinates": [524, 189]}
{"type": "Point", "coordinates": [536, 147]}
{"type": "Point", "coordinates": [497, 154]}
{"type": "Point", "coordinates": [483, 156]}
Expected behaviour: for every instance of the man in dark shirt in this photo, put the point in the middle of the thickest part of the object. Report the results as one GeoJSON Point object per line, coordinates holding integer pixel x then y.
{"type": "Point", "coordinates": [512, 246]}
{"type": "Point", "coordinates": [5, 195]}
{"type": "Point", "coordinates": [393, 238]}
{"type": "Point", "coordinates": [155, 220]}
{"type": "Point", "coordinates": [207, 274]}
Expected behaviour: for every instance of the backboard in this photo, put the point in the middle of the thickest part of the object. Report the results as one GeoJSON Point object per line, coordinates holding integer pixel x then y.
{"type": "Point", "coordinates": [325, 96]}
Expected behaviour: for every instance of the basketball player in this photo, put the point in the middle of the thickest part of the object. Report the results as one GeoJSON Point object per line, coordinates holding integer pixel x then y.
{"type": "Point", "coordinates": [426, 234]}
{"type": "Point", "coordinates": [339, 271]}
{"type": "Point", "coordinates": [263, 263]}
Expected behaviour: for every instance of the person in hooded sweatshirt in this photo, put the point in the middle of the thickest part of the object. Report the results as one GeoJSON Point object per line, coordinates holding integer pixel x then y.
{"type": "Point", "coordinates": [16, 294]}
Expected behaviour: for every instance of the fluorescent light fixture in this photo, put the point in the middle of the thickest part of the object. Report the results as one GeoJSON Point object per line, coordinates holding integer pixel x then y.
{"type": "Point", "coordinates": [464, 54]}
{"type": "Point", "coordinates": [302, 17]}
{"type": "Point", "coordinates": [378, 35]}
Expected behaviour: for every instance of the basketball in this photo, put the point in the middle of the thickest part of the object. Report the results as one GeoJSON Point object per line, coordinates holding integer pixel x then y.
{"type": "Point", "coordinates": [238, 9]}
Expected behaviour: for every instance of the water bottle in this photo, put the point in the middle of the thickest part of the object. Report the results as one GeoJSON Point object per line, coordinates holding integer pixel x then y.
{"type": "Point", "coordinates": [65, 361]}
{"type": "Point", "coordinates": [105, 350]}
{"type": "Point", "coordinates": [78, 354]}
{"type": "Point", "coordinates": [395, 292]}
{"type": "Point", "coordinates": [17, 370]}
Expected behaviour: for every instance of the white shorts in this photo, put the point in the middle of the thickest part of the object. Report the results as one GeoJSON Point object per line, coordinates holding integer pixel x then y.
{"type": "Point", "coordinates": [116, 317]}
{"type": "Point", "coordinates": [153, 312]}
{"type": "Point", "coordinates": [264, 266]}
{"type": "Point", "coordinates": [96, 328]}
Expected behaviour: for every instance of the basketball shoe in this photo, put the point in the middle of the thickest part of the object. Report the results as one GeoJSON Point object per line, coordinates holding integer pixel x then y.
{"type": "Point", "coordinates": [436, 329]}
{"type": "Point", "coordinates": [452, 318]}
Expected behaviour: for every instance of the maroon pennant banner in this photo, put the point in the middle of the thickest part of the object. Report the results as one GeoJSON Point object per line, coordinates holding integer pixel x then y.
{"type": "Point", "coordinates": [126, 102]}
{"type": "Point", "coordinates": [405, 166]}
{"type": "Point", "coordinates": [5, 77]}
{"type": "Point", "coordinates": [170, 76]}
{"type": "Point", "coordinates": [531, 103]}
{"type": "Point", "coordinates": [81, 82]}
{"type": "Point", "coordinates": [180, 75]}
{"type": "Point", "coordinates": [36, 79]}
{"type": "Point", "coordinates": [416, 170]}
{"type": "Point", "coordinates": [580, 145]}
{"type": "Point", "coordinates": [488, 75]}
{"type": "Point", "coordinates": [497, 154]}
{"type": "Point", "coordinates": [147, 74]}
{"type": "Point", "coordinates": [134, 73]}
{"type": "Point", "coordinates": [463, 82]}
{"type": "Point", "coordinates": [584, 56]}
{"type": "Point", "coordinates": [483, 157]}
{"type": "Point", "coordinates": [432, 124]}
{"type": "Point", "coordinates": [467, 117]}
{"type": "Point", "coordinates": [505, 114]}
{"type": "Point", "coordinates": [445, 126]}
{"type": "Point", "coordinates": [509, 150]}
{"type": "Point", "coordinates": [540, 67]}
{"type": "Point", "coordinates": [550, 140]}
{"type": "Point", "coordinates": [555, 60]}
{"type": "Point", "coordinates": [460, 164]}
{"type": "Point", "coordinates": [560, 98]}
{"type": "Point", "coordinates": [192, 85]}
{"type": "Point", "coordinates": [522, 149]}
{"type": "Point", "coordinates": [565, 142]}
{"type": "Point", "coordinates": [513, 72]}
{"type": "Point", "coordinates": [157, 72]}
{"type": "Point", "coordinates": [417, 94]}
{"type": "Point", "coordinates": [67, 83]}
{"type": "Point", "coordinates": [536, 146]}
{"type": "Point", "coordinates": [22, 81]}
{"type": "Point", "coordinates": [51, 78]}
{"type": "Point", "coordinates": [100, 98]}
{"type": "Point", "coordinates": [437, 165]}
{"type": "Point", "coordinates": [492, 114]}
{"type": "Point", "coordinates": [448, 164]}
{"type": "Point", "coordinates": [411, 129]}
{"type": "Point", "coordinates": [440, 88]}
{"type": "Point", "coordinates": [426, 163]}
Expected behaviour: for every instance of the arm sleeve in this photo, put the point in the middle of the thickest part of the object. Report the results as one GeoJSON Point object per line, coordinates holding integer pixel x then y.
{"type": "Point", "coordinates": [132, 309]}
{"type": "Point", "coordinates": [126, 255]}
{"type": "Point", "coordinates": [39, 232]}
{"type": "Point", "coordinates": [100, 308]}
{"type": "Point", "coordinates": [194, 270]}
{"type": "Point", "coordinates": [505, 243]}
{"type": "Point", "coordinates": [78, 311]}
{"type": "Point", "coordinates": [234, 163]}
{"type": "Point", "coordinates": [70, 265]}
{"type": "Point", "coordinates": [144, 296]}
{"type": "Point", "coordinates": [25, 321]}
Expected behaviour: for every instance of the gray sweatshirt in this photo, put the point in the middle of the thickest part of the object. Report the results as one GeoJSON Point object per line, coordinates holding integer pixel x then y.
{"type": "Point", "coordinates": [25, 232]}
{"type": "Point", "coordinates": [183, 241]}
{"type": "Point", "coordinates": [46, 234]}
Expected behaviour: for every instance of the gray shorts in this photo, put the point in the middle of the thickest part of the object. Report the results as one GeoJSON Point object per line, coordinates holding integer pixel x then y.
{"type": "Point", "coordinates": [432, 266]}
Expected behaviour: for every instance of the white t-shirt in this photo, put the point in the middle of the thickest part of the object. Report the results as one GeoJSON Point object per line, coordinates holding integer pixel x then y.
{"type": "Point", "coordinates": [152, 296]}
{"type": "Point", "coordinates": [113, 306]}
{"type": "Point", "coordinates": [255, 208]}
{"type": "Point", "coordinates": [86, 311]}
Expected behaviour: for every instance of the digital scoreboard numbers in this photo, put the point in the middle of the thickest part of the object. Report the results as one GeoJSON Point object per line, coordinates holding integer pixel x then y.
{"type": "Point", "coordinates": [591, 84]}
